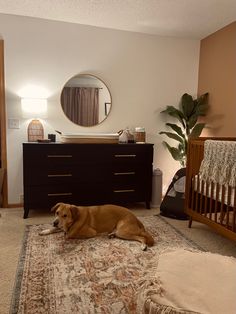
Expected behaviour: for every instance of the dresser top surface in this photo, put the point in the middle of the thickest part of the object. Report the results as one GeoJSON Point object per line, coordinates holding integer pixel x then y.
{"type": "Point", "coordinates": [87, 144]}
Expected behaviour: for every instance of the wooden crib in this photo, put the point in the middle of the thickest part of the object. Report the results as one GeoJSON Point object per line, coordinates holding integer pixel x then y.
{"type": "Point", "coordinates": [208, 203]}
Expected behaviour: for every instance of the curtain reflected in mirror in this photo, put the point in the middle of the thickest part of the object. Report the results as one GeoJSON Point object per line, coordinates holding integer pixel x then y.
{"type": "Point", "coordinates": [86, 100]}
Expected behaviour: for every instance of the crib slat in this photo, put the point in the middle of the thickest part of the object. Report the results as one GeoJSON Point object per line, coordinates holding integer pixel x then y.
{"type": "Point", "coordinates": [216, 199]}
{"type": "Point", "coordinates": [211, 199]}
{"type": "Point", "coordinates": [201, 195]}
{"type": "Point", "coordinates": [193, 193]}
{"type": "Point", "coordinates": [197, 194]}
{"type": "Point", "coordinates": [234, 211]}
{"type": "Point", "coordinates": [206, 198]}
{"type": "Point", "coordinates": [222, 198]}
{"type": "Point", "coordinates": [228, 205]}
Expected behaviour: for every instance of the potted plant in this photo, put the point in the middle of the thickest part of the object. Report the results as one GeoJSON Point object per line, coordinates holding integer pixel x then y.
{"type": "Point", "coordinates": [188, 127]}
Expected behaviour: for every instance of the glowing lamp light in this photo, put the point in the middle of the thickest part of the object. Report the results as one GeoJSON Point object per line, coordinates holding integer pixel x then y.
{"type": "Point", "coordinates": [34, 107]}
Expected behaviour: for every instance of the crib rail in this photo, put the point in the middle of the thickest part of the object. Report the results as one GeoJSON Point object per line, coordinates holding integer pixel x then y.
{"type": "Point", "coordinates": [205, 202]}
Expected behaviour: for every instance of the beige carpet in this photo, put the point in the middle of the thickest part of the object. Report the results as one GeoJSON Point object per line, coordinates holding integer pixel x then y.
{"type": "Point", "coordinates": [12, 229]}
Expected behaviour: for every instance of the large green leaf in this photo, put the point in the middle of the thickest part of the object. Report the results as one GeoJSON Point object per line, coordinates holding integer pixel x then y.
{"type": "Point", "coordinates": [172, 111]}
{"type": "Point", "coordinates": [192, 121]}
{"type": "Point", "coordinates": [175, 153]}
{"type": "Point", "coordinates": [201, 105]}
{"type": "Point", "coordinates": [187, 105]}
{"type": "Point", "coordinates": [197, 130]}
{"type": "Point", "coordinates": [203, 99]}
{"type": "Point", "coordinates": [176, 128]}
{"type": "Point", "coordinates": [173, 136]}
{"type": "Point", "coordinates": [201, 110]}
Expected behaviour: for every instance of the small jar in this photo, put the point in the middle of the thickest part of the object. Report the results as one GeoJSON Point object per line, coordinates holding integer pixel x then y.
{"type": "Point", "coordinates": [140, 135]}
{"type": "Point", "coordinates": [130, 135]}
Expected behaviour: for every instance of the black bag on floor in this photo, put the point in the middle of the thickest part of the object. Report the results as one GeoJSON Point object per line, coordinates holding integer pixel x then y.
{"type": "Point", "coordinates": [172, 204]}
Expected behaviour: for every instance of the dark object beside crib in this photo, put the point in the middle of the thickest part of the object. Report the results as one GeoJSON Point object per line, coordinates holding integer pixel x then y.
{"type": "Point", "coordinates": [172, 205]}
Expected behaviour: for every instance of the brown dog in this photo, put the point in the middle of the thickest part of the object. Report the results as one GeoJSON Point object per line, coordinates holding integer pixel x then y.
{"type": "Point", "coordinates": [89, 221]}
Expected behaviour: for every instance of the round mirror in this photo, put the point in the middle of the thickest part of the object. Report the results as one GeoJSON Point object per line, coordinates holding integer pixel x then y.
{"type": "Point", "coordinates": [86, 100]}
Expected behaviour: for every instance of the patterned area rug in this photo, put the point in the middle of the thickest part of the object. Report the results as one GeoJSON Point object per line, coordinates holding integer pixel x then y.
{"type": "Point", "coordinates": [97, 275]}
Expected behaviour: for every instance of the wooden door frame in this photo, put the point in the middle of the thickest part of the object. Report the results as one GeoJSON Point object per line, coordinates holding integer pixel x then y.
{"type": "Point", "coordinates": [3, 126]}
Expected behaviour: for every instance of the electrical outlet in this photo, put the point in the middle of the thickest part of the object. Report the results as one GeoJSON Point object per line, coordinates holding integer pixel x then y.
{"type": "Point", "coordinates": [13, 123]}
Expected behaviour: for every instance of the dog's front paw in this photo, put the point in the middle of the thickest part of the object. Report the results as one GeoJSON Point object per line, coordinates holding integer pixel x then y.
{"type": "Point", "coordinates": [111, 235]}
{"type": "Point", "coordinates": [144, 247]}
{"type": "Point", "coordinates": [45, 232]}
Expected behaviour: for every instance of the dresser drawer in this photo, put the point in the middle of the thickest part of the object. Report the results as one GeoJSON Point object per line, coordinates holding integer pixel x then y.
{"type": "Point", "coordinates": [81, 194]}
{"type": "Point", "coordinates": [128, 195]}
{"type": "Point", "coordinates": [64, 154]}
{"type": "Point", "coordinates": [42, 196]}
{"type": "Point", "coordinates": [67, 174]}
{"type": "Point", "coordinates": [132, 154]}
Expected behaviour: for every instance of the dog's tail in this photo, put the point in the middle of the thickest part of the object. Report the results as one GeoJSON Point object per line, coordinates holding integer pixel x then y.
{"type": "Point", "coordinates": [148, 237]}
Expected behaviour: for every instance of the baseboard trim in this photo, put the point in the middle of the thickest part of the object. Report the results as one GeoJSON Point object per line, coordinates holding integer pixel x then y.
{"type": "Point", "coordinates": [15, 205]}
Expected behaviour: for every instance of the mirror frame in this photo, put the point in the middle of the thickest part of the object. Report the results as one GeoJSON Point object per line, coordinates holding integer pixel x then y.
{"type": "Point", "coordinates": [107, 111]}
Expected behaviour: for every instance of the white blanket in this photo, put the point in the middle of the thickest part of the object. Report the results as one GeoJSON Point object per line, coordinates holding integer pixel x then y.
{"type": "Point", "coordinates": [219, 162]}
{"type": "Point", "coordinates": [190, 282]}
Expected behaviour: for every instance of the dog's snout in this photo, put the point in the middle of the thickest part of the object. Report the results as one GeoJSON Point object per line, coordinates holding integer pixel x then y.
{"type": "Point", "coordinates": [55, 223]}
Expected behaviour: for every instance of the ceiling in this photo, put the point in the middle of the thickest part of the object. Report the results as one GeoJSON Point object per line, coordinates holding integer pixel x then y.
{"type": "Point", "coordinates": [179, 18]}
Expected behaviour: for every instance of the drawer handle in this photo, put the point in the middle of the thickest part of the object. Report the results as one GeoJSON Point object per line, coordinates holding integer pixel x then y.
{"type": "Point", "coordinates": [123, 191]}
{"type": "Point", "coordinates": [59, 156]}
{"type": "Point", "coordinates": [59, 194]}
{"type": "Point", "coordinates": [120, 156]}
{"type": "Point", "coordinates": [59, 175]}
{"type": "Point", "coordinates": [124, 173]}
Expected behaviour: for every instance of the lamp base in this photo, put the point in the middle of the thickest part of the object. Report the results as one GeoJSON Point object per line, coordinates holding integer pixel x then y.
{"type": "Point", "coordinates": [35, 131]}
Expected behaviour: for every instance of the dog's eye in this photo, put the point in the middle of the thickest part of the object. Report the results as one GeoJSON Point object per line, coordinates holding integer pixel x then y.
{"type": "Point", "coordinates": [65, 216]}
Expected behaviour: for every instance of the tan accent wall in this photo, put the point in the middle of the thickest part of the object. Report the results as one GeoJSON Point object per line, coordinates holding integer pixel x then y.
{"type": "Point", "coordinates": [217, 75]}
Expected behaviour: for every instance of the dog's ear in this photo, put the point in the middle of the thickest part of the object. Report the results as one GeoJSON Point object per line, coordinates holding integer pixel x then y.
{"type": "Point", "coordinates": [55, 207]}
{"type": "Point", "coordinates": [74, 212]}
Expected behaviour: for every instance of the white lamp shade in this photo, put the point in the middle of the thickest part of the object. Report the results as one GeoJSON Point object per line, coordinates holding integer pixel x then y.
{"type": "Point", "coordinates": [34, 107]}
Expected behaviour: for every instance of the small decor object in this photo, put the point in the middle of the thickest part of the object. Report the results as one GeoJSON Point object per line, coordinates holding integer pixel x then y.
{"type": "Point", "coordinates": [35, 131]}
{"type": "Point", "coordinates": [140, 135]}
{"type": "Point", "coordinates": [126, 136]}
{"type": "Point", "coordinates": [188, 113]}
{"type": "Point", "coordinates": [52, 137]}
{"type": "Point", "coordinates": [130, 135]}
{"type": "Point", "coordinates": [123, 136]}
{"type": "Point", "coordinates": [44, 141]}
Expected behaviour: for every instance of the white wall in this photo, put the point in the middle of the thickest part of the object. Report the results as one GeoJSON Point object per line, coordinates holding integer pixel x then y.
{"type": "Point", "coordinates": [144, 74]}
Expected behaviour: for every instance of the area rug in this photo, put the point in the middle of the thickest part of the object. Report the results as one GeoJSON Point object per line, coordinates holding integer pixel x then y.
{"type": "Point", "coordinates": [97, 275]}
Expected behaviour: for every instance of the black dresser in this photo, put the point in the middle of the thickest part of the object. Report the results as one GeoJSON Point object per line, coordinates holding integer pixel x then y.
{"type": "Point", "coordinates": [86, 174]}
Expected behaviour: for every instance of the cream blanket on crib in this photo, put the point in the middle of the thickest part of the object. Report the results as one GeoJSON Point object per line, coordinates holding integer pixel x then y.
{"type": "Point", "coordinates": [219, 163]}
